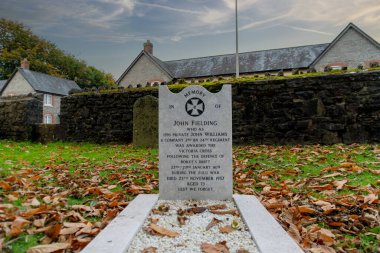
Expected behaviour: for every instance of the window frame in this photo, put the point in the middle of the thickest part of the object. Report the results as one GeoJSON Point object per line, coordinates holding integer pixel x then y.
{"type": "Point", "coordinates": [48, 119]}
{"type": "Point", "coordinates": [48, 100]}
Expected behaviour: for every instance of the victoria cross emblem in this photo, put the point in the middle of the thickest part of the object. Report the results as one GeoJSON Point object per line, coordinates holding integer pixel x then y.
{"type": "Point", "coordinates": [195, 107]}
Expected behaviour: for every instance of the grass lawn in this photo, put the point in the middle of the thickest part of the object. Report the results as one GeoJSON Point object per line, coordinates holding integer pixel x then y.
{"type": "Point", "coordinates": [326, 197]}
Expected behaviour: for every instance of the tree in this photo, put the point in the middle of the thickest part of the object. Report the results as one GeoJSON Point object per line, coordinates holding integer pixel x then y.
{"type": "Point", "coordinates": [18, 42]}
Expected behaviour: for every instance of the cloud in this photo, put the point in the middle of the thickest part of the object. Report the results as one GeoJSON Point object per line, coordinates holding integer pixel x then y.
{"type": "Point", "coordinates": [166, 20]}
{"type": "Point", "coordinates": [308, 30]}
{"type": "Point", "coordinates": [168, 8]}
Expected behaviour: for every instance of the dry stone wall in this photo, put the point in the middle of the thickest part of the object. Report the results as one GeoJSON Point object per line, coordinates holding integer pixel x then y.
{"type": "Point", "coordinates": [18, 116]}
{"type": "Point", "coordinates": [325, 109]}
{"type": "Point", "coordinates": [100, 117]}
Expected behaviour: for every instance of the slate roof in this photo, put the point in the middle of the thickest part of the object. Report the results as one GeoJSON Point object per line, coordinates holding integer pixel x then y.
{"type": "Point", "coordinates": [46, 83]}
{"type": "Point", "coordinates": [2, 83]}
{"type": "Point", "coordinates": [250, 62]}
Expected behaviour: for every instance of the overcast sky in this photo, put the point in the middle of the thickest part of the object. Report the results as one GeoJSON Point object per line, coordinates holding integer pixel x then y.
{"type": "Point", "coordinates": [109, 34]}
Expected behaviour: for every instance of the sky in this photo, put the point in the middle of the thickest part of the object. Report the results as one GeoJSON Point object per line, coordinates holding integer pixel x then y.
{"type": "Point", "coordinates": [109, 34]}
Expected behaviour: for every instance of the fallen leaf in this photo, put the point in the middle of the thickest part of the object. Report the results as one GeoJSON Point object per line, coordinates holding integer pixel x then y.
{"type": "Point", "coordinates": [306, 209]}
{"type": "Point", "coordinates": [226, 229]}
{"type": "Point", "coordinates": [17, 226]}
{"type": "Point", "coordinates": [163, 208]}
{"type": "Point", "coordinates": [149, 250]}
{"type": "Point", "coordinates": [35, 202]}
{"type": "Point", "coordinates": [216, 207]}
{"type": "Point", "coordinates": [220, 247]}
{"type": "Point", "coordinates": [336, 224]}
{"type": "Point", "coordinates": [40, 222]}
{"type": "Point", "coordinates": [332, 175]}
{"type": "Point", "coordinates": [213, 222]}
{"type": "Point", "coordinates": [182, 220]}
{"type": "Point", "coordinates": [339, 184]}
{"type": "Point", "coordinates": [233, 212]}
{"type": "Point", "coordinates": [242, 251]}
{"type": "Point", "coordinates": [69, 231]}
{"type": "Point", "coordinates": [5, 185]}
{"type": "Point", "coordinates": [322, 187]}
{"type": "Point", "coordinates": [163, 231]}
{"type": "Point", "coordinates": [370, 198]}
{"type": "Point", "coordinates": [322, 249]}
{"type": "Point", "coordinates": [54, 230]}
{"type": "Point", "coordinates": [294, 232]}
{"type": "Point", "coordinates": [48, 248]}
{"type": "Point", "coordinates": [196, 210]}
{"type": "Point", "coordinates": [326, 236]}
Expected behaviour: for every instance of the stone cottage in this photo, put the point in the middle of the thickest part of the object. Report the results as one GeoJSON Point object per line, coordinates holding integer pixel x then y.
{"type": "Point", "coordinates": [24, 81]}
{"type": "Point", "coordinates": [352, 47]}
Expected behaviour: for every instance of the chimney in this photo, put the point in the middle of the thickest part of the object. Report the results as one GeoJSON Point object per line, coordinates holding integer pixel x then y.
{"type": "Point", "coordinates": [25, 64]}
{"type": "Point", "coordinates": [148, 47]}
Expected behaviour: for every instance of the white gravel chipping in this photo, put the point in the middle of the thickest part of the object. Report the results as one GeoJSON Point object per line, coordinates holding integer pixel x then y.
{"type": "Point", "coordinates": [193, 233]}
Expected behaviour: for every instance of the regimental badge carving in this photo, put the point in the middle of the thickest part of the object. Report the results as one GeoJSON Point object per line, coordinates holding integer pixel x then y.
{"type": "Point", "coordinates": [195, 107]}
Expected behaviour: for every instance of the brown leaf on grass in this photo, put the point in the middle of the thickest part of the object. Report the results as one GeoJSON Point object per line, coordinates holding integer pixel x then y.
{"type": "Point", "coordinates": [69, 231]}
{"type": "Point", "coordinates": [336, 224]}
{"type": "Point", "coordinates": [12, 197]}
{"type": "Point", "coordinates": [216, 207]}
{"type": "Point", "coordinates": [54, 230]}
{"type": "Point", "coordinates": [74, 225]}
{"type": "Point", "coordinates": [376, 172]}
{"type": "Point", "coordinates": [339, 184]}
{"type": "Point", "coordinates": [5, 185]}
{"type": "Point", "coordinates": [163, 231]}
{"type": "Point", "coordinates": [35, 211]}
{"type": "Point", "coordinates": [48, 248]}
{"type": "Point", "coordinates": [39, 222]}
{"type": "Point", "coordinates": [329, 209]}
{"type": "Point", "coordinates": [322, 203]}
{"type": "Point", "coordinates": [370, 198]}
{"type": "Point", "coordinates": [212, 223]}
{"type": "Point", "coordinates": [17, 226]}
{"type": "Point", "coordinates": [226, 229]}
{"type": "Point", "coordinates": [322, 249]}
{"type": "Point", "coordinates": [306, 209]}
{"type": "Point", "coordinates": [111, 215]}
{"type": "Point", "coordinates": [232, 212]}
{"type": "Point", "coordinates": [35, 202]}
{"type": "Point", "coordinates": [149, 250]}
{"type": "Point", "coordinates": [332, 175]}
{"type": "Point", "coordinates": [322, 187]}
{"type": "Point", "coordinates": [275, 205]}
{"type": "Point", "coordinates": [328, 239]}
{"type": "Point", "coordinates": [220, 247]}
{"type": "Point", "coordinates": [294, 232]}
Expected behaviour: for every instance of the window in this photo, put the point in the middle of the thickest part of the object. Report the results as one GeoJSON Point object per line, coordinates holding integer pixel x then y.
{"type": "Point", "coordinates": [48, 100]}
{"type": "Point", "coordinates": [48, 119]}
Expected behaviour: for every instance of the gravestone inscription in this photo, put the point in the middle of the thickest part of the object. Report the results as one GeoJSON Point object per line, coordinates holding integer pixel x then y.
{"type": "Point", "coordinates": [195, 144]}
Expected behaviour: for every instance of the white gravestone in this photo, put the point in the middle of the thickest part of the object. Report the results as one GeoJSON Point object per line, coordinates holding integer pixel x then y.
{"type": "Point", "coordinates": [195, 144]}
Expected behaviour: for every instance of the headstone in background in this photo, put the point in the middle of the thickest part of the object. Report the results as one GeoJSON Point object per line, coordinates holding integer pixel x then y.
{"type": "Point", "coordinates": [195, 144]}
{"type": "Point", "coordinates": [145, 122]}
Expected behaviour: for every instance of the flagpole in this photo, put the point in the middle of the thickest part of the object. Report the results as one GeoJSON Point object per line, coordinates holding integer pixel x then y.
{"type": "Point", "coordinates": [237, 40]}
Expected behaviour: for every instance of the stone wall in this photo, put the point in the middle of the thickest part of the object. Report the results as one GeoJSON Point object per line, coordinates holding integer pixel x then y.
{"type": "Point", "coordinates": [101, 118]}
{"type": "Point", "coordinates": [18, 115]}
{"type": "Point", "coordinates": [325, 109]}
